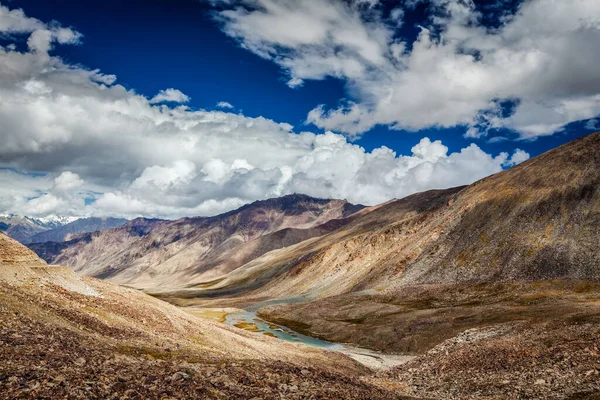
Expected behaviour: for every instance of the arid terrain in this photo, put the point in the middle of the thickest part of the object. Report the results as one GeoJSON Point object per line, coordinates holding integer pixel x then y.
{"type": "Point", "coordinates": [62, 336]}
{"type": "Point", "coordinates": [156, 253]}
{"type": "Point", "coordinates": [488, 291]}
{"type": "Point", "coordinates": [512, 262]}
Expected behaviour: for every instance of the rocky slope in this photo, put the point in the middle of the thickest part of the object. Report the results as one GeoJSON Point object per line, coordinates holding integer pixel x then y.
{"type": "Point", "coordinates": [513, 259]}
{"type": "Point", "coordinates": [99, 340]}
{"type": "Point", "coordinates": [149, 254]}
{"type": "Point", "coordinates": [11, 253]}
{"type": "Point", "coordinates": [539, 220]}
{"type": "Point", "coordinates": [67, 231]}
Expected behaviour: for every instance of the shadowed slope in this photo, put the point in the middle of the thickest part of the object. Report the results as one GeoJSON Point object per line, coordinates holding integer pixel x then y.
{"type": "Point", "coordinates": [72, 229]}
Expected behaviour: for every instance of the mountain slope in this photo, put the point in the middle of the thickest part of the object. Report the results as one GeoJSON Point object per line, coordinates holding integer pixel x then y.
{"type": "Point", "coordinates": [494, 287]}
{"type": "Point", "coordinates": [12, 253]}
{"type": "Point", "coordinates": [538, 220]}
{"type": "Point", "coordinates": [62, 336]}
{"type": "Point", "coordinates": [193, 250]}
{"type": "Point", "coordinates": [82, 225]}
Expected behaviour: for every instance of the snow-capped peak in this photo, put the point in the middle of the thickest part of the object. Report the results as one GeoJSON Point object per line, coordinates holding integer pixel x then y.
{"type": "Point", "coordinates": [58, 220]}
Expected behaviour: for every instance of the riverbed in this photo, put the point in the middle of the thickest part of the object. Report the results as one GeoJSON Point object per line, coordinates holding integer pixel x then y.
{"type": "Point", "coordinates": [249, 320]}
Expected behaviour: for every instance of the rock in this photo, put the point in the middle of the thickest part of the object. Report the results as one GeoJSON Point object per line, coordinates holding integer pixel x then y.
{"type": "Point", "coordinates": [305, 372]}
{"type": "Point", "coordinates": [178, 376]}
{"type": "Point", "coordinates": [80, 362]}
{"type": "Point", "coordinates": [540, 382]}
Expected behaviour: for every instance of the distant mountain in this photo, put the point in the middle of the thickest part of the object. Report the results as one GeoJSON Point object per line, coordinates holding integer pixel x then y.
{"type": "Point", "coordinates": [21, 228]}
{"type": "Point", "coordinates": [178, 253]}
{"type": "Point", "coordinates": [83, 225]}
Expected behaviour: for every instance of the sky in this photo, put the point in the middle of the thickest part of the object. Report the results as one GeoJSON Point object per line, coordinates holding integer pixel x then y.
{"type": "Point", "coordinates": [178, 108]}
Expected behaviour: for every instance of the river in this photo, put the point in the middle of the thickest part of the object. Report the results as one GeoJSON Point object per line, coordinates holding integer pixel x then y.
{"type": "Point", "coordinates": [249, 320]}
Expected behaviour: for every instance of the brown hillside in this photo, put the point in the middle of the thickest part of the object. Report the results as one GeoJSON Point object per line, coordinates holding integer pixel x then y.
{"type": "Point", "coordinates": [14, 253]}
{"type": "Point", "coordinates": [539, 220]}
{"type": "Point", "coordinates": [153, 253]}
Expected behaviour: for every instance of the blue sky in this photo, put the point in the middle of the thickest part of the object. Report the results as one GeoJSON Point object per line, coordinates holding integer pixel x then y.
{"type": "Point", "coordinates": [151, 45]}
{"type": "Point", "coordinates": [191, 46]}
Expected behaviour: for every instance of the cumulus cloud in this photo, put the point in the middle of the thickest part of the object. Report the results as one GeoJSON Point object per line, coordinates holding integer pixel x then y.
{"type": "Point", "coordinates": [42, 35]}
{"type": "Point", "coordinates": [67, 181]}
{"type": "Point", "coordinates": [455, 73]}
{"type": "Point", "coordinates": [224, 105]}
{"type": "Point", "coordinates": [107, 151]}
{"type": "Point", "coordinates": [170, 95]}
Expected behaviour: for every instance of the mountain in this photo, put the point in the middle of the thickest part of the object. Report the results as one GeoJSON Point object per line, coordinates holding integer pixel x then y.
{"type": "Point", "coordinates": [63, 336]}
{"type": "Point", "coordinates": [494, 282]}
{"type": "Point", "coordinates": [493, 288]}
{"type": "Point", "coordinates": [22, 228]}
{"type": "Point", "coordinates": [154, 253]}
{"type": "Point", "coordinates": [82, 225]}
{"type": "Point", "coordinates": [539, 220]}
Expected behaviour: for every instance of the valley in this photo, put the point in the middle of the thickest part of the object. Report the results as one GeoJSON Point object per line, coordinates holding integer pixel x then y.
{"type": "Point", "coordinates": [485, 291]}
{"type": "Point", "coordinates": [66, 336]}
{"type": "Point", "coordinates": [506, 269]}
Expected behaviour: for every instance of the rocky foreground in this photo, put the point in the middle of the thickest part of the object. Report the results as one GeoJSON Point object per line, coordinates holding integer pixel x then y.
{"type": "Point", "coordinates": [55, 343]}
{"type": "Point", "coordinates": [62, 336]}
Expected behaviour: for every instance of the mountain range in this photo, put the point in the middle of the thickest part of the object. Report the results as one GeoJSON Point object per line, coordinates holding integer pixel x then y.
{"type": "Point", "coordinates": [53, 228]}
{"type": "Point", "coordinates": [67, 231]}
{"type": "Point", "coordinates": [160, 253]}
{"type": "Point", "coordinates": [536, 221]}
{"type": "Point", "coordinates": [21, 228]}
{"type": "Point", "coordinates": [492, 287]}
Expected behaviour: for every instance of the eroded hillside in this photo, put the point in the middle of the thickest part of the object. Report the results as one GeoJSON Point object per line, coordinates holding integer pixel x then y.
{"type": "Point", "coordinates": [62, 336]}
{"type": "Point", "coordinates": [153, 253]}
{"type": "Point", "coordinates": [539, 220]}
{"type": "Point", "coordinates": [494, 287]}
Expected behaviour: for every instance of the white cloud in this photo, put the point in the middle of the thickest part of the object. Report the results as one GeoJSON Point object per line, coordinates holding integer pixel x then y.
{"type": "Point", "coordinates": [67, 181]}
{"type": "Point", "coordinates": [545, 56]}
{"type": "Point", "coordinates": [15, 21]}
{"type": "Point", "coordinates": [518, 157]}
{"type": "Point", "coordinates": [170, 95]}
{"type": "Point", "coordinates": [592, 125]}
{"type": "Point", "coordinates": [224, 104]}
{"type": "Point", "coordinates": [110, 151]}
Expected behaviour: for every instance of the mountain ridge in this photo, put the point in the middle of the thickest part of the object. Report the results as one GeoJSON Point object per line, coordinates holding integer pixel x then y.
{"type": "Point", "coordinates": [524, 216]}
{"type": "Point", "coordinates": [21, 228]}
{"type": "Point", "coordinates": [192, 249]}
{"type": "Point", "coordinates": [74, 228]}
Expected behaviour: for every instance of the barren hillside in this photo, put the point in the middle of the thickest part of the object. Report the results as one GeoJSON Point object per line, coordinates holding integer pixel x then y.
{"type": "Point", "coordinates": [66, 337]}
{"type": "Point", "coordinates": [152, 253]}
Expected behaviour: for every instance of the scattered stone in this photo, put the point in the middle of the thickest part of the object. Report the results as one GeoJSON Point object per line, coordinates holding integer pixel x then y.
{"type": "Point", "coordinates": [179, 376]}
